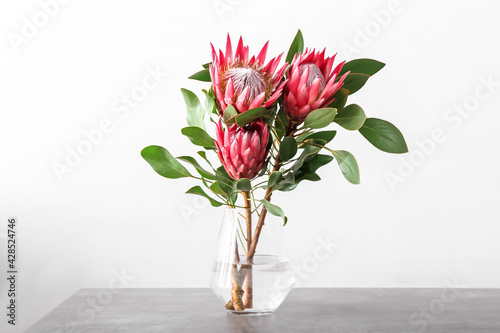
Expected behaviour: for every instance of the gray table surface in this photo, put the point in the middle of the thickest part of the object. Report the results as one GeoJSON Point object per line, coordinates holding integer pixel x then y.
{"type": "Point", "coordinates": [305, 310]}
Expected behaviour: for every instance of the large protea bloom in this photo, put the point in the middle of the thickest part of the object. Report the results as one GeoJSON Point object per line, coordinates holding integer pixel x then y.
{"type": "Point", "coordinates": [242, 150]}
{"type": "Point", "coordinates": [311, 84]}
{"type": "Point", "coordinates": [244, 82]}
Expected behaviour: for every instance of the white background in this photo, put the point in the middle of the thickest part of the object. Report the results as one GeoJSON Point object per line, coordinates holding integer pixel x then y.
{"type": "Point", "coordinates": [435, 224]}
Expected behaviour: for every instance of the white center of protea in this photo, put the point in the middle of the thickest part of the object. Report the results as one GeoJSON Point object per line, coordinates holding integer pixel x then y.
{"type": "Point", "coordinates": [314, 72]}
{"type": "Point", "coordinates": [246, 77]}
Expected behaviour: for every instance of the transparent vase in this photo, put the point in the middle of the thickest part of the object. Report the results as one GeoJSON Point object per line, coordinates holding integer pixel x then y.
{"type": "Point", "coordinates": [254, 284]}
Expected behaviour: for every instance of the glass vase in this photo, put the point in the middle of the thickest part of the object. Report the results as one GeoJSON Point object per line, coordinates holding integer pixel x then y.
{"type": "Point", "coordinates": [251, 284]}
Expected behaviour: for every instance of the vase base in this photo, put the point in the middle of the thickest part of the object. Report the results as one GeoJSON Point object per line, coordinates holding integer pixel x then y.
{"type": "Point", "coordinates": [251, 312]}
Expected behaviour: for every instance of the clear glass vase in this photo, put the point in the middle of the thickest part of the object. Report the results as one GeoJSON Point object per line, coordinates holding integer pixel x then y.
{"type": "Point", "coordinates": [251, 285]}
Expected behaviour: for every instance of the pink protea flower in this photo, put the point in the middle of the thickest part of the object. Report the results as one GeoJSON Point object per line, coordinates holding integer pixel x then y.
{"type": "Point", "coordinates": [311, 84]}
{"type": "Point", "coordinates": [242, 150]}
{"type": "Point", "coordinates": [244, 82]}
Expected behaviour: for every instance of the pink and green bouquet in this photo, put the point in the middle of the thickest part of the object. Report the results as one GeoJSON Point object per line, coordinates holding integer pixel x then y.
{"type": "Point", "coordinates": [274, 123]}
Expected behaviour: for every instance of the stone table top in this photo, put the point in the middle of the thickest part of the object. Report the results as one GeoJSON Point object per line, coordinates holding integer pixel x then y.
{"type": "Point", "coordinates": [304, 310]}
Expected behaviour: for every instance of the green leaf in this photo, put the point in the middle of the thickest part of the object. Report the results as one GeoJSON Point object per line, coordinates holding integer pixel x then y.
{"type": "Point", "coordinates": [352, 117]}
{"type": "Point", "coordinates": [209, 104]}
{"type": "Point", "coordinates": [315, 163]}
{"type": "Point", "coordinates": [320, 118]}
{"type": "Point", "coordinates": [204, 156]}
{"type": "Point", "coordinates": [204, 173]}
{"type": "Point", "coordinates": [384, 135]}
{"type": "Point", "coordinates": [247, 117]}
{"type": "Point", "coordinates": [229, 115]}
{"type": "Point", "coordinates": [348, 165]}
{"type": "Point", "coordinates": [227, 184]}
{"type": "Point", "coordinates": [281, 123]}
{"type": "Point", "coordinates": [195, 113]}
{"type": "Point", "coordinates": [203, 75]}
{"type": "Point", "coordinates": [353, 82]}
{"type": "Point", "coordinates": [274, 210]}
{"type": "Point", "coordinates": [324, 136]}
{"type": "Point", "coordinates": [296, 47]}
{"type": "Point", "coordinates": [299, 177]}
{"type": "Point", "coordinates": [288, 148]}
{"type": "Point", "coordinates": [207, 65]}
{"type": "Point", "coordinates": [215, 187]}
{"type": "Point", "coordinates": [340, 99]}
{"type": "Point", "coordinates": [307, 154]}
{"type": "Point", "coordinates": [199, 191]}
{"type": "Point", "coordinates": [274, 178]}
{"type": "Point", "coordinates": [244, 185]}
{"type": "Point", "coordinates": [362, 66]}
{"type": "Point", "coordinates": [164, 163]}
{"type": "Point", "coordinates": [198, 136]}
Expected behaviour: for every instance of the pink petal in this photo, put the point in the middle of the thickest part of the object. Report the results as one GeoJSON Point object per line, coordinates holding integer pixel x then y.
{"type": "Point", "coordinates": [229, 90]}
{"type": "Point", "coordinates": [239, 49]}
{"type": "Point", "coordinates": [229, 49]}
{"type": "Point", "coordinates": [262, 54]}
{"type": "Point", "coordinates": [258, 100]}
{"type": "Point", "coordinates": [314, 90]}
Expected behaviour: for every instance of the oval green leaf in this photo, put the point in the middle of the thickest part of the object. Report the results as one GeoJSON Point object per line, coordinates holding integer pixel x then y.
{"type": "Point", "coordinates": [199, 137]}
{"type": "Point", "coordinates": [274, 210]}
{"type": "Point", "coordinates": [195, 114]}
{"type": "Point", "coordinates": [288, 148]}
{"type": "Point", "coordinates": [247, 117]}
{"type": "Point", "coordinates": [320, 118]}
{"type": "Point", "coordinates": [352, 117]}
{"type": "Point", "coordinates": [199, 191]}
{"type": "Point", "coordinates": [384, 135]}
{"type": "Point", "coordinates": [362, 66]}
{"type": "Point", "coordinates": [348, 165]}
{"type": "Point", "coordinates": [353, 82]}
{"type": "Point", "coordinates": [244, 185]}
{"type": "Point", "coordinates": [203, 75]}
{"type": "Point", "coordinates": [164, 163]}
{"type": "Point", "coordinates": [296, 47]}
{"type": "Point", "coordinates": [191, 160]}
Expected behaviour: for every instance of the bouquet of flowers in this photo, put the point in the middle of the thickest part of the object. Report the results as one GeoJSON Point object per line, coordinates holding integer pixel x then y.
{"type": "Point", "coordinates": [269, 122]}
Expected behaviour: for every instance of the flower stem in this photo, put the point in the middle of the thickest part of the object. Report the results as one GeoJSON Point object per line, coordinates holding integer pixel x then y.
{"type": "Point", "coordinates": [248, 288]}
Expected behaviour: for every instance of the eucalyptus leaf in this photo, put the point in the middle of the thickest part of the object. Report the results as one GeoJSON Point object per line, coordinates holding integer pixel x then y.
{"type": "Point", "coordinates": [296, 47]}
{"type": "Point", "coordinates": [199, 137]}
{"type": "Point", "coordinates": [384, 136]}
{"type": "Point", "coordinates": [352, 117]}
{"type": "Point", "coordinates": [229, 115]}
{"type": "Point", "coordinates": [320, 118]}
{"type": "Point", "coordinates": [247, 117]}
{"type": "Point", "coordinates": [199, 191]}
{"type": "Point", "coordinates": [288, 148]}
{"type": "Point", "coordinates": [191, 160]}
{"type": "Point", "coordinates": [244, 185]}
{"type": "Point", "coordinates": [203, 75]}
{"type": "Point", "coordinates": [354, 81]}
{"type": "Point", "coordinates": [195, 113]}
{"type": "Point", "coordinates": [274, 210]}
{"type": "Point", "coordinates": [274, 178]}
{"type": "Point", "coordinates": [164, 163]}
{"type": "Point", "coordinates": [322, 137]}
{"type": "Point", "coordinates": [362, 66]}
{"type": "Point", "coordinates": [348, 165]}
{"type": "Point", "coordinates": [340, 99]}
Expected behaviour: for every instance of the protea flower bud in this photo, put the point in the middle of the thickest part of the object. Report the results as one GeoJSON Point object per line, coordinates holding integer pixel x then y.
{"type": "Point", "coordinates": [242, 150]}
{"type": "Point", "coordinates": [244, 82]}
{"type": "Point", "coordinates": [311, 84]}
